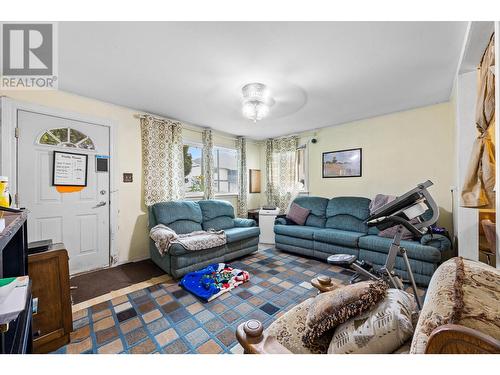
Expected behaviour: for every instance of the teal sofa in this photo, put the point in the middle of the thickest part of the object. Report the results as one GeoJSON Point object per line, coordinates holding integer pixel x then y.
{"type": "Point", "coordinates": [189, 216]}
{"type": "Point", "coordinates": [336, 226]}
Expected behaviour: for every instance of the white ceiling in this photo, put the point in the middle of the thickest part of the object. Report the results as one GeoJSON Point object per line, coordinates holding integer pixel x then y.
{"type": "Point", "coordinates": [320, 73]}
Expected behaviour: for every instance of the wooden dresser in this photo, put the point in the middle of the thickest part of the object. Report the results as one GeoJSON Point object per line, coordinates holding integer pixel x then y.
{"type": "Point", "coordinates": [52, 322]}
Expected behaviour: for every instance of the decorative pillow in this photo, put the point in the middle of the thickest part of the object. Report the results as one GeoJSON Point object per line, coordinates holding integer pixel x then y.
{"type": "Point", "coordinates": [289, 329]}
{"type": "Point", "coordinates": [298, 214]}
{"type": "Point", "coordinates": [379, 331]}
{"type": "Point", "coordinates": [330, 309]}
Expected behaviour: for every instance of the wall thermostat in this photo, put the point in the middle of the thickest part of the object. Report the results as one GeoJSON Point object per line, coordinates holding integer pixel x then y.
{"type": "Point", "coordinates": [101, 163]}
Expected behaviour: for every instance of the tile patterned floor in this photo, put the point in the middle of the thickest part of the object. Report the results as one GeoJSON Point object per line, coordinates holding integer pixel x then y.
{"type": "Point", "coordinates": [164, 318]}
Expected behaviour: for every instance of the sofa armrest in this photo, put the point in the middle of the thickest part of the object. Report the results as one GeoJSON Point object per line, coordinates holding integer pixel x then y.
{"type": "Point", "coordinates": [280, 221]}
{"type": "Point", "coordinates": [440, 242]}
{"type": "Point", "coordinates": [254, 340]}
{"type": "Point", "coordinates": [239, 222]}
{"type": "Point", "coordinates": [457, 339]}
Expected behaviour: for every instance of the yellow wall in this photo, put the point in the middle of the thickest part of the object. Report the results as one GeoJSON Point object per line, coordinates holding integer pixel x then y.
{"type": "Point", "coordinates": [132, 235]}
{"type": "Point", "coordinates": [399, 151]}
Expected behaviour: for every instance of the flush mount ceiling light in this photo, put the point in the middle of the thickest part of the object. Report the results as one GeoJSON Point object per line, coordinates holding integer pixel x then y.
{"type": "Point", "coordinates": [256, 101]}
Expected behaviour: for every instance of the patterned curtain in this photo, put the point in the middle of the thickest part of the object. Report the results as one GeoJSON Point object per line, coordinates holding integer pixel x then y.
{"type": "Point", "coordinates": [208, 164]}
{"type": "Point", "coordinates": [162, 160]}
{"type": "Point", "coordinates": [480, 177]}
{"type": "Point", "coordinates": [281, 171]}
{"type": "Point", "coordinates": [241, 147]}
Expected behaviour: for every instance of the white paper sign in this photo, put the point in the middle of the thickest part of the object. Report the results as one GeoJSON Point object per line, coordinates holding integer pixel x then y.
{"type": "Point", "coordinates": [69, 169]}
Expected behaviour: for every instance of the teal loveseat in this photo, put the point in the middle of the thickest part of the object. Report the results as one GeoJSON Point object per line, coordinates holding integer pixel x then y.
{"type": "Point", "coordinates": [189, 216]}
{"type": "Point", "coordinates": [336, 226]}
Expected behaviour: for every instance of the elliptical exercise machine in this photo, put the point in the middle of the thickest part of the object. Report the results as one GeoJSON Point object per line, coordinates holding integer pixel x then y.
{"type": "Point", "coordinates": [414, 204]}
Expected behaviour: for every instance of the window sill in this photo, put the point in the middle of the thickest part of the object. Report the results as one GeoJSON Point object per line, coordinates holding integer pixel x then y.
{"type": "Point", "coordinates": [226, 195]}
{"type": "Point", "coordinates": [221, 195]}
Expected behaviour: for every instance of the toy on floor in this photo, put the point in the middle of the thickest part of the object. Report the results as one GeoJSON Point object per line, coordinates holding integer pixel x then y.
{"type": "Point", "coordinates": [214, 280]}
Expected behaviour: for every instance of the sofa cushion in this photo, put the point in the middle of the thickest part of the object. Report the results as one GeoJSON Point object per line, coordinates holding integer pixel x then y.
{"type": "Point", "coordinates": [298, 231]}
{"type": "Point", "coordinates": [178, 249]}
{"type": "Point", "coordinates": [414, 249]}
{"type": "Point", "coordinates": [462, 292]}
{"type": "Point", "coordinates": [330, 309]}
{"type": "Point", "coordinates": [348, 213]}
{"type": "Point", "coordinates": [180, 216]}
{"type": "Point", "coordinates": [219, 223]}
{"type": "Point", "coordinates": [317, 205]}
{"type": "Point", "coordinates": [337, 236]}
{"type": "Point", "coordinates": [241, 233]}
{"type": "Point", "coordinates": [436, 240]}
{"type": "Point", "coordinates": [217, 214]}
{"type": "Point", "coordinates": [239, 222]}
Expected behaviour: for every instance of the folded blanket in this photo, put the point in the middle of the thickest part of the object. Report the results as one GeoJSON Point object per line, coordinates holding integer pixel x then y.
{"type": "Point", "coordinates": [164, 237]}
{"type": "Point", "coordinates": [214, 280]}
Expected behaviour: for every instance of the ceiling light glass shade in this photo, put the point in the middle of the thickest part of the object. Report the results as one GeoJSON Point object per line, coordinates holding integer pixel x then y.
{"type": "Point", "coordinates": [255, 111]}
{"type": "Point", "coordinates": [256, 101]}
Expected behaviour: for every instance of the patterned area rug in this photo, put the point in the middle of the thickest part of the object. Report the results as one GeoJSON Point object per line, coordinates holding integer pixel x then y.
{"type": "Point", "coordinates": [164, 318]}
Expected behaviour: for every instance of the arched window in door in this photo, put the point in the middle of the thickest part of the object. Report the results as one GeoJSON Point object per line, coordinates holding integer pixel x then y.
{"type": "Point", "coordinates": [66, 137]}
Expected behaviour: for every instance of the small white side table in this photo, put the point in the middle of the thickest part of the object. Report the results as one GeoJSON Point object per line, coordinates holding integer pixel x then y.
{"type": "Point", "coordinates": [266, 224]}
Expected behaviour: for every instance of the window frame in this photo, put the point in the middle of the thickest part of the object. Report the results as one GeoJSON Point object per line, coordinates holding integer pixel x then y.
{"type": "Point", "coordinates": [194, 194]}
{"type": "Point", "coordinates": [62, 143]}
{"type": "Point", "coordinates": [216, 167]}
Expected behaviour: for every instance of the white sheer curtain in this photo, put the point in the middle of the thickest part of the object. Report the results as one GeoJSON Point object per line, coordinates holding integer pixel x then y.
{"type": "Point", "coordinates": [281, 171]}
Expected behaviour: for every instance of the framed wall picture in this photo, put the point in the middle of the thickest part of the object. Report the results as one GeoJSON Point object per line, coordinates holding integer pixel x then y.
{"type": "Point", "coordinates": [342, 163]}
{"type": "Point", "coordinates": [254, 181]}
{"type": "Point", "coordinates": [69, 169]}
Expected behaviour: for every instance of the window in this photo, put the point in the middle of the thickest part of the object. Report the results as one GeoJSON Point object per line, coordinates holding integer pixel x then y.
{"type": "Point", "coordinates": [225, 170]}
{"type": "Point", "coordinates": [66, 137]}
{"type": "Point", "coordinates": [302, 167]}
{"type": "Point", "coordinates": [193, 175]}
{"type": "Point", "coordinates": [225, 174]}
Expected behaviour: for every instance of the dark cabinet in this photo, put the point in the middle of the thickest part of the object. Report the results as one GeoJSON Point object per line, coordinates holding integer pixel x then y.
{"type": "Point", "coordinates": [52, 322]}
{"type": "Point", "coordinates": [16, 339]}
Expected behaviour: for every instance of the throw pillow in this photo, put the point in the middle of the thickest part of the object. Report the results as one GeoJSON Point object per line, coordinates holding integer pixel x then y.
{"type": "Point", "coordinates": [298, 214]}
{"type": "Point", "coordinates": [382, 330]}
{"type": "Point", "coordinates": [330, 309]}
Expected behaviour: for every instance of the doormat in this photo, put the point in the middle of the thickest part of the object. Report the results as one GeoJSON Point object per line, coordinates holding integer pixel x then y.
{"type": "Point", "coordinates": [213, 281]}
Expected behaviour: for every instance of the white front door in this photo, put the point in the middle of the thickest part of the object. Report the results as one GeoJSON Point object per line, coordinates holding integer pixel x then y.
{"type": "Point", "coordinates": [79, 219]}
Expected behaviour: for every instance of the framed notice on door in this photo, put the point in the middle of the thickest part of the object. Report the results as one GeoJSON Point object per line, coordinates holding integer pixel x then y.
{"type": "Point", "coordinates": [69, 169]}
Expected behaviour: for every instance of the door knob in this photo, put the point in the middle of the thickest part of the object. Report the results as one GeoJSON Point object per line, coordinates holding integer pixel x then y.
{"type": "Point", "coordinates": [100, 204]}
